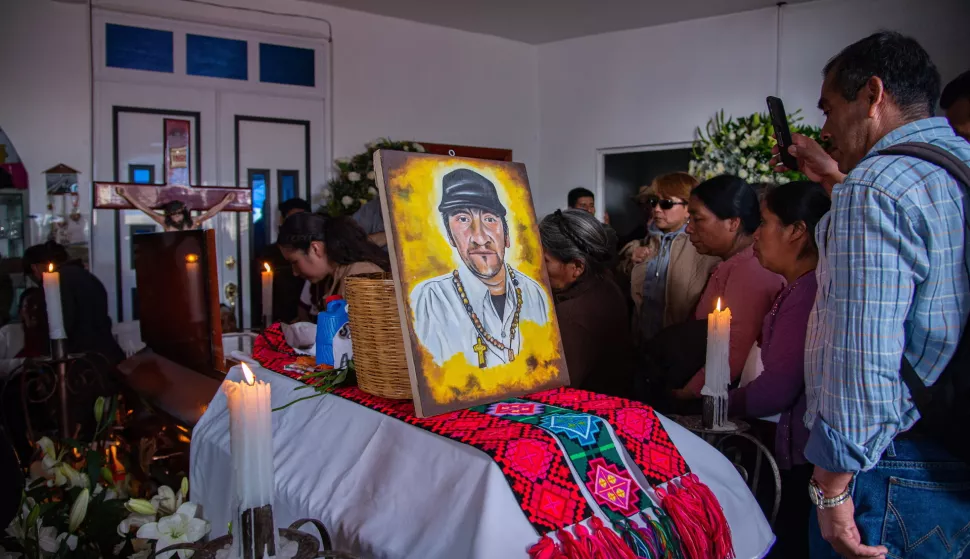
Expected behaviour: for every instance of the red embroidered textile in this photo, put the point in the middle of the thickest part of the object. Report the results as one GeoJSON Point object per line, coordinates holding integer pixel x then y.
{"type": "Point", "coordinates": [535, 467]}
{"type": "Point", "coordinates": [532, 463]}
{"type": "Point", "coordinates": [636, 424]}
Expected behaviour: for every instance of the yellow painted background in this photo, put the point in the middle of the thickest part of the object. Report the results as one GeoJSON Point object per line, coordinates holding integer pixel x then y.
{"type": "Point", "coordinates": [413, 185]}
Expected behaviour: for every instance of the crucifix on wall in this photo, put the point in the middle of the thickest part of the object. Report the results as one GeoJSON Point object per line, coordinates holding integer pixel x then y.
{"type": "Point", "coordinates": [177, 197]}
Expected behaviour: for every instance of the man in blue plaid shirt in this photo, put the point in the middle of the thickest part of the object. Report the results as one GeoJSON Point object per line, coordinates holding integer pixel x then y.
{"type": "Point", "coordinates": [893, 283]}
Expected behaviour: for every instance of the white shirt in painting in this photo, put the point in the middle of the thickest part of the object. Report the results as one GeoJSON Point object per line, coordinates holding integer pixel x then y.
{"type": "Point", "coordinates": [444, 326]}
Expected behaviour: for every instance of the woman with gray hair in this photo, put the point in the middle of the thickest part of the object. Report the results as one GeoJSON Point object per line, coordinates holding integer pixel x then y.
{"type": "Point", "coordinates": [579, 253]}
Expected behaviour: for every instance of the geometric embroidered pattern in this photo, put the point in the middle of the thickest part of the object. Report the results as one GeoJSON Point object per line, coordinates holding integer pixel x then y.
{"type": "Point", "coordinates": [592, 452]}
{"type": "Point", "coordinates": [636, 424]}
{"type": "Point", "coordinates": [515, 408]}
{"type": "Point", "coordinates": [535, 469]}
{"type": "Point", "coordinates": [534, 464]}
{"type": "Point", "coordinates": [578, 427]}
{"type": "Point", "coordinates": [610, 487]}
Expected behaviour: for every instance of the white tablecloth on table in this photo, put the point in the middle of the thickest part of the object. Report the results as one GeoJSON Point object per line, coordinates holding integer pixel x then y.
{"type": "Point", "coordinates": [386, 489]}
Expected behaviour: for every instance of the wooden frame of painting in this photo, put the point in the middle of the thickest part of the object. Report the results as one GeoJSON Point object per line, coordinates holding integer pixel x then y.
{"type": "Point", "coordinates": [472, 288]}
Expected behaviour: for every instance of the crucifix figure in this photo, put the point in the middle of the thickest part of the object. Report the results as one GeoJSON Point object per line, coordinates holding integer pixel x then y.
{"type": "Point", "coordinates": [177, 197]}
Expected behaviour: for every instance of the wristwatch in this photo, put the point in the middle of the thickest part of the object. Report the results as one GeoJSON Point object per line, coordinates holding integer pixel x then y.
{"type": "Point", "coordinates": [818, 498]}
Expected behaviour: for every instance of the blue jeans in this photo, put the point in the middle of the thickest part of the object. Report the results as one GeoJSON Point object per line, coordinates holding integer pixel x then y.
{"type": "Point", "coordinates": [916, 502]}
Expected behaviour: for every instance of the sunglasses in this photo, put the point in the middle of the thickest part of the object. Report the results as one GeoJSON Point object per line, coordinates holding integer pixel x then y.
{"type": "Point", "coordinates": [664, 204]}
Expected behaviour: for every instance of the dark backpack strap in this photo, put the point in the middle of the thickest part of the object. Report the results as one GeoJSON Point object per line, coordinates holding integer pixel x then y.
{"type": "Point", "coordinates": [935, 155]}
{"type": "Point", "coordinates": [922, 395]}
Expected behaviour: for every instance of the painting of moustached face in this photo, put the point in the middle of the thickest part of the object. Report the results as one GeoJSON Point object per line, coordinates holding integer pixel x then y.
{"type": "Point", "coordinates": [470, 279]}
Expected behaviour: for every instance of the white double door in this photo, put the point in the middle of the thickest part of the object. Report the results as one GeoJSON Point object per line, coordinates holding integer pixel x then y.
{"type": "Point", "coordinates": [274, 144]}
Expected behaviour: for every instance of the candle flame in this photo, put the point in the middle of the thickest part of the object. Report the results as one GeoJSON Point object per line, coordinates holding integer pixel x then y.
{"type": "Point", "coordinates": [248, 375]}
{"type": "Point", "coordinates": [50, 267]}
{"type": "Point", "coordinates": [191, 257]}
{"type": "Point", "coordinates": [718, 304]}
{"type": "Point", "coordinates": [266, 266]}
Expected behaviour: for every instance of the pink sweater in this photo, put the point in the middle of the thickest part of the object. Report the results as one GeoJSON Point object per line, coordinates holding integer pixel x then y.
{"type": "Point", "coordinates": [748, 290]}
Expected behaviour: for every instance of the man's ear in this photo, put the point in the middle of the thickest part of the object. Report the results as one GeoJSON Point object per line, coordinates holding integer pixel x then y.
{"type": "Point", "coordinates": [876, 91]}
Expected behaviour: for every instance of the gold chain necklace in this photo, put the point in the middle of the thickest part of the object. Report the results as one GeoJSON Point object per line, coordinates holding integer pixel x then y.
{"type": "Point", "coordinates": [480, 348]}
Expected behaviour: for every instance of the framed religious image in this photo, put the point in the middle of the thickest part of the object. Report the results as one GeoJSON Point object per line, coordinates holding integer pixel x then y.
{"type": "Point", "coordinates": [471, 284]}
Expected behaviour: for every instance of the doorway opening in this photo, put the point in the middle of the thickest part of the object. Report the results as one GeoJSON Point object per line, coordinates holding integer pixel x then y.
{"type": "Point", "coordinates": [623, 171]}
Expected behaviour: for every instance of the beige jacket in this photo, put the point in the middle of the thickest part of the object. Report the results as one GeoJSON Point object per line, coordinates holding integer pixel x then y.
{"type": "Point", "coordinates": [687, 275]}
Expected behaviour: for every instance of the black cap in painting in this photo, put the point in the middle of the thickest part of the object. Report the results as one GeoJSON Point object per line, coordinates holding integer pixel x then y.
{"type": "Point", "coordinates": [464, 188]}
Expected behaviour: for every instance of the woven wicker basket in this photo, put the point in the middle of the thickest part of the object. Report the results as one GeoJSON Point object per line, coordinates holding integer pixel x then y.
{"type": "Point", "coordinates": [375, 331]}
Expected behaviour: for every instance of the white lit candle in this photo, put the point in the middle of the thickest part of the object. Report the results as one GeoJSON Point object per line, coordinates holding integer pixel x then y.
{"type": "Point", "coordinates": [251, 440]}
{"type": "Point", "coordinates": [52, 296]}
{"type": "Point", "coordinates": [267, 277]}
{"type": "Point", "coordinates": [717, 369]}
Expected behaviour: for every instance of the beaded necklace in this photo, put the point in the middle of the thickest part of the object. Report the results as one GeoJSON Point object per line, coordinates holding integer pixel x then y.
{"type": "Point", "coordinates": [480, 348]}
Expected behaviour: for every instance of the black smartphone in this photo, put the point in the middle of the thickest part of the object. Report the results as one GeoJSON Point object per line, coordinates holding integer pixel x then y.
{"type": "Point", "coordinates": [779, 120]}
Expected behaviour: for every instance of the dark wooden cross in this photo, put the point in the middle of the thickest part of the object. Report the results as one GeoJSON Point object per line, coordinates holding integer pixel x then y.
{"type": "Point", "coordinates": [177, 166]}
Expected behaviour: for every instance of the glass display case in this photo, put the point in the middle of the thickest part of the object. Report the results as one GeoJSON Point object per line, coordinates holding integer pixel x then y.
{"type": "Point", "coordinates": [12, 216]}
{"type": "Point", "coordinates": [13, 203]}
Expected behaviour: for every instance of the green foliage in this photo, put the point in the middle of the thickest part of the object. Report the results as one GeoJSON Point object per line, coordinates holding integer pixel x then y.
{"type": "Point", "coordinates": [322, 382]}
{"type": "Point", "coordinates": [355, 183]}
{"type": "Point", "coordinates": [65, 470]}
{"type": "Point", "coordinates": [742, 146]}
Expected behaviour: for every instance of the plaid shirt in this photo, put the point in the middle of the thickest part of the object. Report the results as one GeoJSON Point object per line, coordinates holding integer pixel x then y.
{"type": "Point", "coordinates": [892, 281]}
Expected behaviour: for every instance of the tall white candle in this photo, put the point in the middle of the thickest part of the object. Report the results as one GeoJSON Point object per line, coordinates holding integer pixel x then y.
{"type": "Point", "coordinates": [717, 369]}
{"type": "Point", "coordinates": [267, 277]}
{"type": "Point", "coordinates": [52, 296]}
{"type": "Point", "coordinates": [251, 440]}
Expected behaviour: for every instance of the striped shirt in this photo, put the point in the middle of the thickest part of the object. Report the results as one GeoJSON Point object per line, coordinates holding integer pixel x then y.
{"type": "Point", "coordinates": [892, 282]}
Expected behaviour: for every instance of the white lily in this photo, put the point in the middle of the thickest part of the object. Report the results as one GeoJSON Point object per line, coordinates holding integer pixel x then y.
{"type": "Point", "coordinates": [346, 201]}
{"type": "Point", "coordinates": [78, 510]}
{"type": "Point", "coordinates": [372, 191]}
{"type": "Point", "coordinates": [141, 506]}
{"type": "Point", "coordinates": [70, 539]}
{"type": "Point", "coordinates": [134, 521]}
{"type": "Point", "coordinates": [166, 501]}
{"type": "Point", "coordinates": [47, 539]}
{"type": "Point", "coordinates": [181, 527]}
{"type": "Point", "coordinates": [16, 527]}
{"type": "Point", "coordinates": [353, 176]}
{"type": "Point", "coordinates": [419, 148]}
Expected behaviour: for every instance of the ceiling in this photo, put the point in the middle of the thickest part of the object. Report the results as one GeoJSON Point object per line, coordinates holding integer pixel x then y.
{"type": "Point", "coordinates": [544, 21]}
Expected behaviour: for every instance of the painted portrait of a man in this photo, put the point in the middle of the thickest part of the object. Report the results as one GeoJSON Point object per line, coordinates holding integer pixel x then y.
{"type": "Point", "coordinates": [477, 307]}
{"type": "Point", "coordinates": [470, 279]}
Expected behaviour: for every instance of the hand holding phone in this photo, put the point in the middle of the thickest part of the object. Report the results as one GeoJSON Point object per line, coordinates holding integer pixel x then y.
{"type": "Point", "coordinates": [779, 120]}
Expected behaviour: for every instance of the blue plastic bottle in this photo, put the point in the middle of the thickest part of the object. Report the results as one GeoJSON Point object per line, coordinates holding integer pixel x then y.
{"type": "Point", "coordinates": [329, 322]}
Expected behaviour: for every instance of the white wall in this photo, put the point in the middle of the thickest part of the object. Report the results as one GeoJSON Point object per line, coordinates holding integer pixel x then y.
{"type": "Point", "coordinates": [554, 105]}
{"type": "Point", "coordinates": [45, 101]}
{"type": "Point", "coordinates": [393, 78]}
{"type": "Point", "coordinates": [655, 85]}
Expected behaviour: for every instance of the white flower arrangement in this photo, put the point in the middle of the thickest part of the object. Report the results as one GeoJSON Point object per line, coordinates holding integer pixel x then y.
{"type": "Point", "coordinates": [742, 147]}
{"type": "Point", "coordinates": [168, 519]}
{"type": "Point", "coordinates": [75, 504]}
{"type": "Point", "coordinates": [355, 179]}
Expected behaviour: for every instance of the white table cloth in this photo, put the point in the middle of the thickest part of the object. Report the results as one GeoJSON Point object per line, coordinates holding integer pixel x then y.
{"type": "Point", "coordinates": [386, 489]}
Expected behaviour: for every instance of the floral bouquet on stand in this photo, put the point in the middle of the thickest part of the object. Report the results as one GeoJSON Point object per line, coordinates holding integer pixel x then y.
{"type": "Point", "coordinates": [742, 146]}
{"type": "Point", "coordinates": [76, 502]}
{"type": "Point", "coordinates": [74, 496]}
{"type": "Point", "coordinates": [353, 186]}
